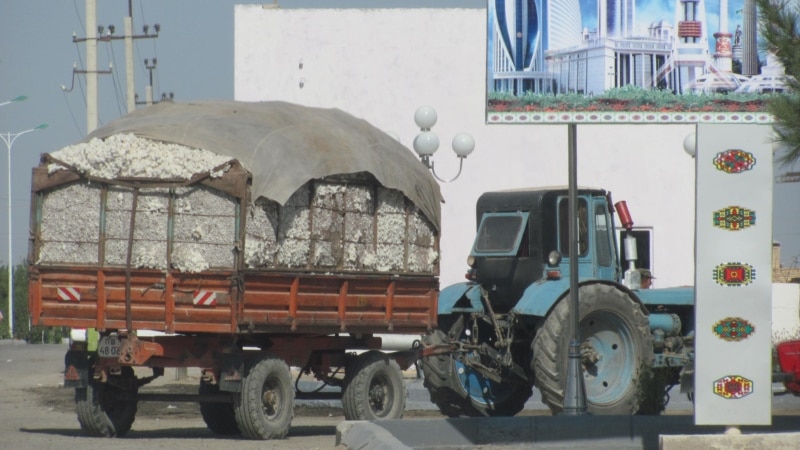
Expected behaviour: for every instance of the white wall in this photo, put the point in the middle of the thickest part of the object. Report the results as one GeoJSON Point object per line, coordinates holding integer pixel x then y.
{"type": "Point", "coordinates": [381, 65]}
{"type": "Point", "coordinates": [785, 312]}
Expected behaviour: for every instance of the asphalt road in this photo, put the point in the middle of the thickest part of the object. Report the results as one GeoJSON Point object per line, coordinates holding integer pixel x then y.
{"type": "Point", "coordinates": [37, 412]}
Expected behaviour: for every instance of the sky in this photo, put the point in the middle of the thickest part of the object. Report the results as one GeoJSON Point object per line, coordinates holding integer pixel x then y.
{"type": "Point", "coordinates": [194, 51]}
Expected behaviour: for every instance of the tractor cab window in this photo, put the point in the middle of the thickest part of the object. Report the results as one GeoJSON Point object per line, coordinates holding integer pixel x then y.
{"type": "Point", "coordinates": [603, 236]}
{"type": "Point", "coordinates": [500, 234]}
{"type": "Point", "coordinates": [563, 227]}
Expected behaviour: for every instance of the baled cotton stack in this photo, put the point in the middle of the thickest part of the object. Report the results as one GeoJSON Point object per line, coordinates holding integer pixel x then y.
{"type": "Point", "coordinates": [341, 223]}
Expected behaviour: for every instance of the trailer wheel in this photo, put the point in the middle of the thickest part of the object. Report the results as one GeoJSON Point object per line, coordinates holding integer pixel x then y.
{"type": "Point", "coordinates": [615, 347]}
{"type": "Point", "coordinates": [220, 418]}
{"type": "Point", "coordinates": [108, 409]}
{"type": "Point", "coordinates": [374, 388]}
{"type": "Point", "coordinates": [459, 390]}
{"type": "Point", "coordinates": [265, 407]}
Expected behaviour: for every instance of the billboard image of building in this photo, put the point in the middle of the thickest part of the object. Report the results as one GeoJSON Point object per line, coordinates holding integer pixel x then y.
{"type": "Point", "coordinates": [591, 48]}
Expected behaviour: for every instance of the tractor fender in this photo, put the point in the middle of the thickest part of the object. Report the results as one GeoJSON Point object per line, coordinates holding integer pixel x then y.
{"type": "Point", "coordinates": [539, 298]}
{"type": "Point", "coordinates": [460, 298]}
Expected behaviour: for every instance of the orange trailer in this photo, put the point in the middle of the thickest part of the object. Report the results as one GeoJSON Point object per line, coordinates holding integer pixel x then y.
{"type": "Point", "coordinates": [238, 282]}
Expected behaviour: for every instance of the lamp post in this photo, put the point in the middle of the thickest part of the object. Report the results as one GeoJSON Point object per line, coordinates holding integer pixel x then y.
{"type": "Point", "coordinates": [9, 139]}
{"type": "Point", "coordinates": [427, 142]}
{"type": "Point", "coordinates": [13, 100]}
{"type": "Point", "coordinates": [575, 390]}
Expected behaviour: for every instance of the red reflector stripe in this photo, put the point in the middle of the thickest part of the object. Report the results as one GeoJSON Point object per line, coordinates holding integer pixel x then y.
{"type": "Point", "coordinates": [69, 294]}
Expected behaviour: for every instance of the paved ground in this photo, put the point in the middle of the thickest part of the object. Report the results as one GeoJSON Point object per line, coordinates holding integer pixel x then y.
{"type": "Point", "coordinates": [35, 412]}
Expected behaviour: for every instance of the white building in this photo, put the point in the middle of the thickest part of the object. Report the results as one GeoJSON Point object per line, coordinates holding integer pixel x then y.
{"type": "Point", "coordinates": [381, 65]}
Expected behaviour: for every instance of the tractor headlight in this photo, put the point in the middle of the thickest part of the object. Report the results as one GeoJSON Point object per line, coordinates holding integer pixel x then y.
{"type": "Point", "coordinates": [554, 258]}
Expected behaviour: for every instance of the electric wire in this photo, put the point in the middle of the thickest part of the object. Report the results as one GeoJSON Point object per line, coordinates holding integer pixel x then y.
{"type": "Point", "coordinates": [115, 78]}
{"type": "Point", "coordinates": [71, 113]}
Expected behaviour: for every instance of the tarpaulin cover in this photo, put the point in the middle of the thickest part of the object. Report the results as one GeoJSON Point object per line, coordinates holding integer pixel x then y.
{"type": "Point", "coordinates": [285, 145]}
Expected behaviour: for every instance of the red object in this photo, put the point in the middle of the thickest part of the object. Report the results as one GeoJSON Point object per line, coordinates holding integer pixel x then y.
{"type": "Point", "coordinates": [789, 360]}
{"type": "Point", "coordinates": [205, 298]}
{"type": "Point", "coordinates": [624, 215]}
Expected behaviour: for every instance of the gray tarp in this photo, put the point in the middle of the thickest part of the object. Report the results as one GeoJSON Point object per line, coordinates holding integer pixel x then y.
{"type": "Point", "coordinates": [285, 145]}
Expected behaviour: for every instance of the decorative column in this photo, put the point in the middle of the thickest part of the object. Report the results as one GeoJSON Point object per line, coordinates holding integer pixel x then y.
{"type": "Point", "coordinates": [723, 56]}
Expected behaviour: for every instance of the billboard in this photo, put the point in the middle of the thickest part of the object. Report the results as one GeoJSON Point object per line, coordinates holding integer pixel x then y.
{"type": "Point", "coordinates": [646, 61]}
{"type": "Point", "coordinates": [733, 281]}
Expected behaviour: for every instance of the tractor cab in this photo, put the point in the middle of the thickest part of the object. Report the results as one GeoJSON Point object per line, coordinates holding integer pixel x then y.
{"type": "Point", "coordinates": [523, 238]}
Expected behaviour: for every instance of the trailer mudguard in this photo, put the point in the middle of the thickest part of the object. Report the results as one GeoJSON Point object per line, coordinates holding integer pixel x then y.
{"type": "Point", "coordinates": [460, 298]}
{"type": "Point", "coordinates": [76, 369]}
{"type": "Point", "coordinates": [539, 297]}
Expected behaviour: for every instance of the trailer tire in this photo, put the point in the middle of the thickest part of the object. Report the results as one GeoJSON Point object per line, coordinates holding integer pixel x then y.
{"type": "Point", "coordinates": [450, 382]}
{"type": "Point", "coordinates": [220, 418]}
{"type": "Point", "coordinates": [374, 388]}
{"type": "Point", "coordinates": [614, 328]}
{"type": "Point", "coordinates": [265, 407]}
{"type": "Point", "coordinates": [106, 410]}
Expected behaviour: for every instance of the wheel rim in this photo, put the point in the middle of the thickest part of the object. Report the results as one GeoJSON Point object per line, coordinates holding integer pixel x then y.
{"type": "Point", "coordinates": [608, 355]}
{"type": "Point", "coordinates": [380, 396]}
{"type": "Point", "coordinates": [271, 399]}
{"type": "Point", "coordinates": [479, 388]}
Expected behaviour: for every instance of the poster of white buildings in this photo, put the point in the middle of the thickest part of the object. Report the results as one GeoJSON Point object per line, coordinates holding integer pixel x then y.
{"type": "Point", "coordinates": [627, 61]}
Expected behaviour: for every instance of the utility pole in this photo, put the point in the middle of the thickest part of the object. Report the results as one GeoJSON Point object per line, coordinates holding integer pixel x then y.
{"type": "Point", "coordinates": [128, 25]}
{"type": "Point", "coordinates": [148, 90]}
{"type": "Point", "coordinates": [91, 66]}
{"type": "Point", "coordinates": [94, 34]}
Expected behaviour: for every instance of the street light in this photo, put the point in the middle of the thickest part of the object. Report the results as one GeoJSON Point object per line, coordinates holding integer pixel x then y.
{"type": "Point", "coordinates": [13, 100]}
{"type": "Point", "coordinates": [426, 143]}
{"type": "Point", "coordinates": [9, 139]}
{"type": "Point", "coordinates": [690, 144]}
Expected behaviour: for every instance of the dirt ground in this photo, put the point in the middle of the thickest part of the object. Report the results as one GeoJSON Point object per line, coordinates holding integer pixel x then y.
{"type": "Point", "coordinates": [37, 412]}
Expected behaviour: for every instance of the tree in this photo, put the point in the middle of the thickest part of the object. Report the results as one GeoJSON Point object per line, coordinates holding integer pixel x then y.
{"type": "Point", "coordinates": [780, 30]}
{"type": "Point", "coordinates": [22, 323]}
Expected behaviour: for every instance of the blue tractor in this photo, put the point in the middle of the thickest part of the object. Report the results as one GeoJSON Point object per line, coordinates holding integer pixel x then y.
{"type": "Point", "coordinates": [508, 328]}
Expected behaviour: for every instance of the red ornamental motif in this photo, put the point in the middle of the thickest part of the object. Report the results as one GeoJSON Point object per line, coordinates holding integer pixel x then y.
{"type": "Point", "coordinates": [734, 274]}
{"type": "Point", "coordinates": [733, 387]}
{"type": "Point", "coordinates": [734, 161]}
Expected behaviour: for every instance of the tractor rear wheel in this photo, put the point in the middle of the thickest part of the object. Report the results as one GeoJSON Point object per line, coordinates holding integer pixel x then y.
{"type": "Point", "coordinates": [616, 347]}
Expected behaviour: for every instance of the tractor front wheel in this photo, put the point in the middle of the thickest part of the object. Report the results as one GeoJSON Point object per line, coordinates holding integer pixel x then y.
{"type": "Point", "coordinates": [457, 388]}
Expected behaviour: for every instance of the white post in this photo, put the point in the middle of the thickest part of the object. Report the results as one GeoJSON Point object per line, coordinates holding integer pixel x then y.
{"type": "Point", "coordinates": [9, 143]}
{"type": "Point", "coordinates": [9, 139]}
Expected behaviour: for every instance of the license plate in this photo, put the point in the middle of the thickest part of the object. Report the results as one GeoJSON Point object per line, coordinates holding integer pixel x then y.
{"type": "Point", "coordinates": [109, 347]}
